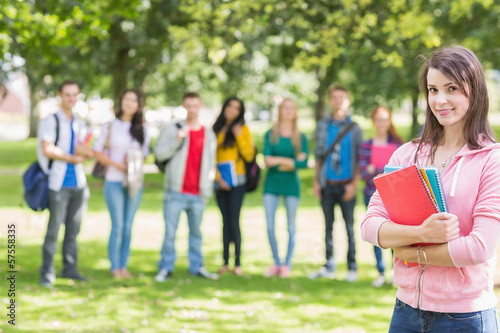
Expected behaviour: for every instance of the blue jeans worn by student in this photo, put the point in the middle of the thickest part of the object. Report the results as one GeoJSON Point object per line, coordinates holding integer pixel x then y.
{"type": "Point", "coordinates": [122, 208]}
{"type": "Point", "coordinates": [67, 207]}
{"type": "Point", "coordinates": [271, 202]}
{"type": "Point", "coordinates": [331, 195]}
{"type": "Point", "coordinates": [173, 205]}
{"type": "Point", "coordinates": [406, 319]}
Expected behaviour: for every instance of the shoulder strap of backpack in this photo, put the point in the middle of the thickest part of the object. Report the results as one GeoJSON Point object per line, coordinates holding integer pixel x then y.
{"type": "Point", "coordinates": [57, 137]}
{"type": "Point", "coordinates": [337, 140]}
{"type": "Point", "coordinates": [178, 125]}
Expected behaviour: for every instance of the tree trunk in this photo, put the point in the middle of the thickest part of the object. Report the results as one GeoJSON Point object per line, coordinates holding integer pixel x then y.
{"type": "Point", "coordinates": [325, 77]}
{"type": "Point", "coordinates": [415, 126]}
{"type": "Point", "coordinates": [120, 68]}
{"type": "Point", "coordinates": [320, 103]}
{"type": "Point", "coordinates": [34, 110]}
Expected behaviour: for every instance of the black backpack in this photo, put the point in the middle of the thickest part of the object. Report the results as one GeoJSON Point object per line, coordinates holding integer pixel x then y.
{"type": "Point", "coordinates": [36, 182]}
{"type": "Point", "coordinates": [252, 172]}
{"type": "Point", "coordinates": [163, 164]}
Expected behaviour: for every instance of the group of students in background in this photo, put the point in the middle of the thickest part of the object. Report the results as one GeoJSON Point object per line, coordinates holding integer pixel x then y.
{"type": "Point", "coordinates": [451, 288]}
{"type": "Point", "coordinates": [191, 153]}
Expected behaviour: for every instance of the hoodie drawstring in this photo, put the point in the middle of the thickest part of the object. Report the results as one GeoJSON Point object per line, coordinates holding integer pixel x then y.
{"type": "Point", "coordinates": [455, 177]}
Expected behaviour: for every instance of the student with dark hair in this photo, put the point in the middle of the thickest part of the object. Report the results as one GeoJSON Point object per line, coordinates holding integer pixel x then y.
{"type": "Point", "coordinates": [451, 287]}
{"type": "Point", "coordinates": [234, 145]}
{"type": "Point", "coordinates": [124, 133]}
{"type": "Point", "coordinates": [68, 190]}
{"type": "Point", "coordinates": [189, 179]}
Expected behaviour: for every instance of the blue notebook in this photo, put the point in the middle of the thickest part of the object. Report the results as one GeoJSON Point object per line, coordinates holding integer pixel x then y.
{"type": "Point", "coordinates": [227, 171]}
{"type": "Point", "coordinates": [435, 181]}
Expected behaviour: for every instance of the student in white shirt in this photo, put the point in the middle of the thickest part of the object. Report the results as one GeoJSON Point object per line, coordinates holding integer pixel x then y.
{"type": "Point", "coordinates": [68, 191]}
{"type": "Point", "coordinates": [125, 132]}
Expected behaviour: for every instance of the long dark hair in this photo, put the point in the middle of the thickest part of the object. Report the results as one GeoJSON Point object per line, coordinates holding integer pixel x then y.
{"type": "Point", "coordinates": [461, 66]}
{"type": "Point", "coordinates": [137, 123]}
{"type": "Point", "coordinates": [229, 139]}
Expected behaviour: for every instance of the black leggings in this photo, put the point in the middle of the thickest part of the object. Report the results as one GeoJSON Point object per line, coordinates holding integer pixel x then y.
{"type": "Point", "coordinates": [230, 206]}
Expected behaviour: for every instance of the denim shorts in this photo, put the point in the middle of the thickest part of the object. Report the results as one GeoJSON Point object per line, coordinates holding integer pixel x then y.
{"type": "Point", "coordinates": [406, 319]}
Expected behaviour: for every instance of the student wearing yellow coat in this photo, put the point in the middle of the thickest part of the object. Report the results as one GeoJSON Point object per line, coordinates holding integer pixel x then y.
{"type": "Point", "coordinates": [234, 146]}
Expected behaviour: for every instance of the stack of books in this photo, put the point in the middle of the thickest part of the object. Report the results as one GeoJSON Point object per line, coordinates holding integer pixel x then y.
{"type": "Point", "coordinates": [411, 194]}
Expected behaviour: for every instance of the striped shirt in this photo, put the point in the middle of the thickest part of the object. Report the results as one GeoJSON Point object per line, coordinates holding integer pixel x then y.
{"type": "Point", "coordinates": [120, 140]}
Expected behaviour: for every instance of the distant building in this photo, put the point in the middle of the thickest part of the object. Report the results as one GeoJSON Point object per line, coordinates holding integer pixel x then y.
{"type": "Point", "coordinates": [15, 95]}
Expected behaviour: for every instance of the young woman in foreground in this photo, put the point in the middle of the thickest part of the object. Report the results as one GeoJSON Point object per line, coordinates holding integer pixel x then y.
{"type": "Point", "coordinates": [451, 290]}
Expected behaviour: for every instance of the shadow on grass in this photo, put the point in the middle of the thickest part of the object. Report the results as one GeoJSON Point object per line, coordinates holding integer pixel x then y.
{"type": "Point", "coordinates": [251, 303]}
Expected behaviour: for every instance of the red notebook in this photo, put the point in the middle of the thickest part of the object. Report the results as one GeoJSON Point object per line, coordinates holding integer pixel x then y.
{"type": "Point", "coordinates": [381, 154]}
{"type": "Point", "coordinates": [406, 197]}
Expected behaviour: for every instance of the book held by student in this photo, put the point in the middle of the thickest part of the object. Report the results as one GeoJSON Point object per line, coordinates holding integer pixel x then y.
{"type": "Point", "coordinates": [406, 196]}
{"type": "Point", "coordinates": [434, 182]}
{"type": "Point", "coordinates": [227, 171]}
{"type": "Point", "coordinates": [380, 154]}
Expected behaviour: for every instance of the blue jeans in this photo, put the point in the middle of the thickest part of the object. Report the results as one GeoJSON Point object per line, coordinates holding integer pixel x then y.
{"type": "Point", "coordinates": [406, 319]}
{"type": "Point", "coordinates": [122, 208]}
{"type": "Point", "coordinates": [271, 202]}
{"type": "Point", "coordinates": [67, 206]}
{"type": "Point", "coordinates": [173, 205]}
{"type": "Point", "coordinates": [377, 250]}
{"type": "Point", "coordinates": [332, 195]}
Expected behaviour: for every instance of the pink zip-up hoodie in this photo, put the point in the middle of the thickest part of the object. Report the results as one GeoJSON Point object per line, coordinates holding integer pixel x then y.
{"type": "Point", "coordinates": [471, 184]}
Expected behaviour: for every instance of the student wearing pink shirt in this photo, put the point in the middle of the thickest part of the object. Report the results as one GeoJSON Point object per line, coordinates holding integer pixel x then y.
{"type": "Point", "coordinates": [451, 288]}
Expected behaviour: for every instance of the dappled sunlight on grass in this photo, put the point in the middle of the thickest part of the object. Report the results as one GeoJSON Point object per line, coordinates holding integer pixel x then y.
{"type": "Point", "coordinates": [251, 303]}
{"type": "Point", "coordinates": [185, 303]}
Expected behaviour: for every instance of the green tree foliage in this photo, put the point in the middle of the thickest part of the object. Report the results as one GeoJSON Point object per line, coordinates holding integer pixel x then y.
{"type": "Point", "coordinates": [50, 36]}
{"type": "Point", "coordinates": [254, 49]}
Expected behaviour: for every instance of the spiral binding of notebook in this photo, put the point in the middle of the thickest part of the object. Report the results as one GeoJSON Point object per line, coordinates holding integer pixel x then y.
{"type": "Point", "coordinates": [427, 190]}
{"type": "Point", "coordinates": [442, 200]}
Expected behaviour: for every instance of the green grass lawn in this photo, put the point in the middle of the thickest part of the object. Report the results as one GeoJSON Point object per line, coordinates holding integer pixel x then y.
{"type": "Point", "coordinates": [251, 303]}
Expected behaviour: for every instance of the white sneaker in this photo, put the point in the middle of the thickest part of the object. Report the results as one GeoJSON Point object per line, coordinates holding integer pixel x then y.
{"type": "Point", "coordinates": [379, 282]}
{"type": "Point", "coordinates": [206, 274]}
{"type": "Point", "coordinates": [351, 276]}
{"type": "Point", "coordinates": [322, 272]}
{"type": "Point", "coordinates": [162, 275]}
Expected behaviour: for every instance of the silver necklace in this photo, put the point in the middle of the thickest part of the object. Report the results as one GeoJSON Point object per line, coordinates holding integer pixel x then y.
{"type": "Point", "coordinates": [443, 164]}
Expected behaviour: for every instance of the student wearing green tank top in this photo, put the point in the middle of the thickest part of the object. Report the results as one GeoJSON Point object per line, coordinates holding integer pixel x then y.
{"type": "Point", "coordinates": [285, 151]}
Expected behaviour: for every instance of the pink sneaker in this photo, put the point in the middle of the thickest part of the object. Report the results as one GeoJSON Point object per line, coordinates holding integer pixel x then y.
{"type": "Point", "coordinates": [284, 271]}
{"type": "Point", "coordinates": [272, 271]}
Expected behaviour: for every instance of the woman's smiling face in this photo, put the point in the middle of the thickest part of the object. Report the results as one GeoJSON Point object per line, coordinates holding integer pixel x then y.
{"type": "Point", "coordinates": [447, 102]}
